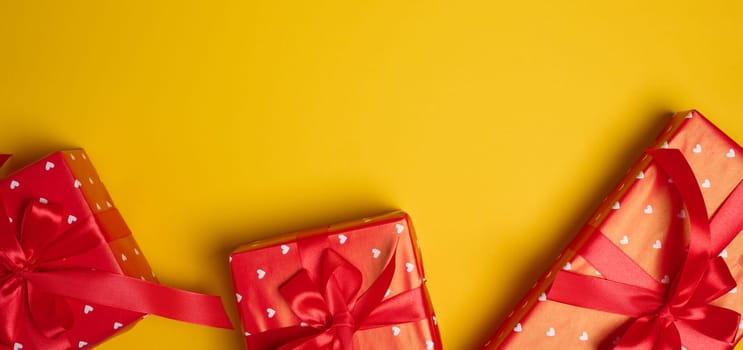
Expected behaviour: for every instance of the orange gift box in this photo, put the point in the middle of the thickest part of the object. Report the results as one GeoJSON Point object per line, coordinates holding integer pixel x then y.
{"type": "Point", "coordinates": [645, 224]}
{"type": "Point", "coordinates": [358, 284]}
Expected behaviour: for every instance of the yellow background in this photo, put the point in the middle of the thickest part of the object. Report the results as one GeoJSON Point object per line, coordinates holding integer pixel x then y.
{"type": "Point", "coordinates": [499, 126]}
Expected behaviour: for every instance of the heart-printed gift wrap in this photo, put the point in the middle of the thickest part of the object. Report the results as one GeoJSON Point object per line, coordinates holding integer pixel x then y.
{"type": "Point", "coordinates": [354, 285]}
{"type": "Point", "coordinates": [71, 273]}
{"type": "Point", "coordinates": [624, 281]}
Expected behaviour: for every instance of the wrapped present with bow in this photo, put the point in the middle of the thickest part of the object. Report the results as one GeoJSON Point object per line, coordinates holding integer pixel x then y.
{"type": "Point", "coordinates": [356, 285]}
{"type": "Point", "coordinates": [657, 265]}
{"type": "Point", "coordinates": [71, 274]}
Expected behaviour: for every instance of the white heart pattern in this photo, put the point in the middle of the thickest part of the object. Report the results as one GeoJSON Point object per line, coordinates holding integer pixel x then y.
{"type": "Point", "coordinates": [261, 273]}
{"type": "Point", "coordinates": [641, 175]}
{"type": "Point", "coordinates": [724, 254]}
{"type": "Point", "coordinates": [429, 344]}
{"type": "Point", "coordinates": [239, 297]}
{"type": "Point", "coordinates": [583, 336]}
{"type": "Point", "coordinates": [567, 266]}
{"type": "Point", "coordinates": [342, 238]}
{"type": "Point", "coordinates": [71, 219]}
{"type": "Point", "coordinates": [77, 183]}
{"type": "Point", "coordinates": [48, 166]}
{"type": "Point", "coordinates": [81, 344]}
{"type": "Point", "coordinates": [14, 184]}
{"type": "Point", "coordinates": [542, 297]}
{"type": "Point", "coordinates": [118, 325]}
{"type": "Point", "coordinates": [409, 267]}
{"type": "Point", "coordinates": [87, 309]}
{"type": "Point", "coordinates": [376, 252]}
{"type": "Point", "coordinates": [706, 184]}
{"type": "Point", "coordinates": [551, 332]}
{"type": "Point", "coordinates": [648, 209]}
{"type": "Point", "coordinates": [697, 148]}
{"type": "Point", "coordinates": [43, 200]}
{"type": "Point", "coordinates": [399, 228]}
{"type": "Point", "coordinates": [270, 312]}
{"type": "Point", "coordinates": [284, 249]}
{"type": "Point", "coordinates": [730, 154]}
{"type": "Point", "coordinates": [17, 346]}
{"type": "Point", "coordinates": [616, 206]}
{"type": "Point", "coordinates": [518, 328]}
{"type": "Point", "coordinates": [657, 244]}
{"type": "Point", "coordinates": [665, 279]}
{"type": "Point", "coordinates": [624, 240]}
{"type": "Point", "coordinates": [395, 330]}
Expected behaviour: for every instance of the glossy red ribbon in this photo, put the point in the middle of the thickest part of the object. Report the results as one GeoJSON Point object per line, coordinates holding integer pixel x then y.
{"type": "Point", "coordinates": [50, 260]}
{"type": "Point", "coordinates": [666, 317]}
{"type": "Point", "coordinates": [328, 302]}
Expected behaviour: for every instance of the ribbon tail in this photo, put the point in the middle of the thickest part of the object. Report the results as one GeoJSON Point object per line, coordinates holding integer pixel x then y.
{"type": "Point", "coordinates": [646, 333]}
{"type": "Point", "coordinates": [708, 327]}
{"type": "Point", "coordinates": [402, 308]}
{"type": "Point", "coordinates": [615, 264]}
{"type": "Point", "coordinates": [375, 293]}
{"type": "Point", "coordinates": [717, 282]}
{"type": "Point", "coordinates": [132, 294]}
{"type": "Point", "coordinates": [602, 294]}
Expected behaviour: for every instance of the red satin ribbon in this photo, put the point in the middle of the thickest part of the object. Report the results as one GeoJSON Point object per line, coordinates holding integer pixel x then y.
{"type": "Point", "coordinates": [50, 260]}
{"type": "Point", "coordinates": [325, 296]}
{"type": "Point", "coordinates": [665, 318]}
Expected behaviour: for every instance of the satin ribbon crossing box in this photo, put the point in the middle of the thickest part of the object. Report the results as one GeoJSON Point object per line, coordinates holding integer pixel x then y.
{"type": "Point", "coordinates": [656, 266]}
{"type": "Point", "coordinates": [71, 273]}
{"type": "Point", "coordinates": [356, 285]}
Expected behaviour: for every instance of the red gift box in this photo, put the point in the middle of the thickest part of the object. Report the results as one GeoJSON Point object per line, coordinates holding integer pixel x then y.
{"type": "Point", "coordinates": [353, 285]}
{"type": "Point", "coordinates": [656, 266]}
{"type": "Point", "coordinates": [71, 274]}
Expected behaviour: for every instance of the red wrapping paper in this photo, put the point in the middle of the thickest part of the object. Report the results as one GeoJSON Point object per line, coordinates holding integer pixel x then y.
{"type": "Point", "coordinates": [62, 236]}
{"type": "Point", "coordinates": [645, 219]}
{"type": "Point", "coordinates": [262, 272]}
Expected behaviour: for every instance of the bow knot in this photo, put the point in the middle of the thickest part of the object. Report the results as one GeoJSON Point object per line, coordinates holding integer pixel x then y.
{"type": "Point", "coordinates": [343, 320]}
{"type": "Point", "coordinates": [334, 306]}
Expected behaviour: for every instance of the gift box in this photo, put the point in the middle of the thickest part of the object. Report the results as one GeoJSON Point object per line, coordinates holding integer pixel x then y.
{"type": "Point", "coordinates": [71, 273]}
{"type": "Point", "coordinates": [656, 266]}
{"type": "Point", "coordinates": [355, 285]}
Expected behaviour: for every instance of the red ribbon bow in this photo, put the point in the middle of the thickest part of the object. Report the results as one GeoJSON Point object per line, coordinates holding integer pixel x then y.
{"type": "Point", "coordinates": [50, 260]}
{"type": "Point", "coordinates": [331, 309]}
{"type": "Point", "coordinates": [665, 318]}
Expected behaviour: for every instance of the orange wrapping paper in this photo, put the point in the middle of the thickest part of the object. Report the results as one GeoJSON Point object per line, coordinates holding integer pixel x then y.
{"type": "Point", "coordinates": [258, 270]}
{"type": "Point", "coordinates": [645, 218]}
